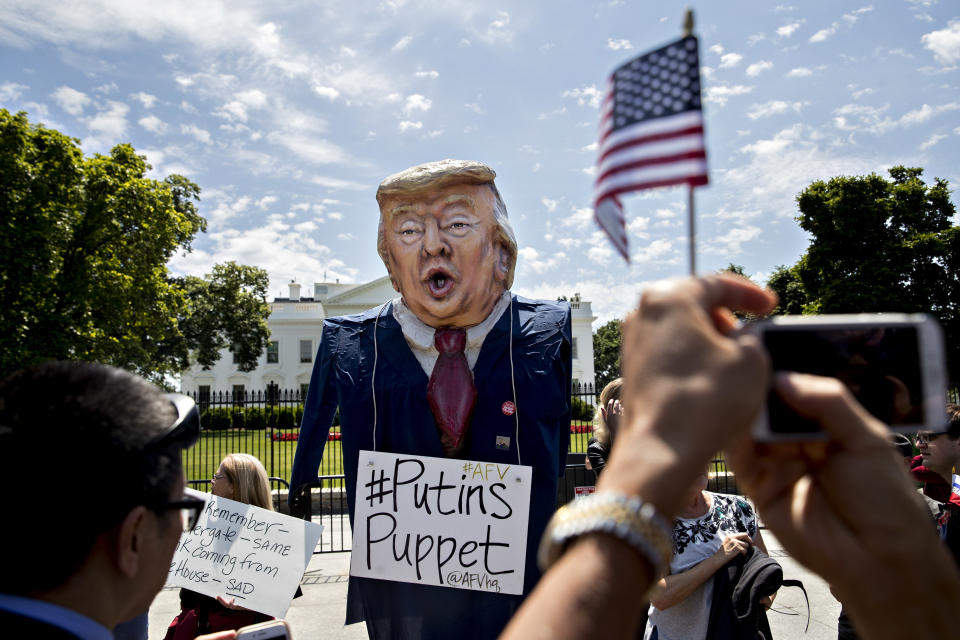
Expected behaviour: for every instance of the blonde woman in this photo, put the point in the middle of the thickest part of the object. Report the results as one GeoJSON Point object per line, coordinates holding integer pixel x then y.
{"type": "Point", "coordinates": [239, 477]}
{"type": "Point", "coordinates": [606, 420]}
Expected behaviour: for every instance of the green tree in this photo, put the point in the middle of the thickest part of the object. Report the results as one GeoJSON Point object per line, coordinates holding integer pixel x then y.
{"type": "Point", "coordinates": [227, 309]}
{"type": "Point", "coordinates": [606, 352]}
{"type": "Point", "coordinates": [785, 281]}
{"type": "Point", "coordinates": [84, 244]}
{"type": "Point", "coordinates": [881, 245]}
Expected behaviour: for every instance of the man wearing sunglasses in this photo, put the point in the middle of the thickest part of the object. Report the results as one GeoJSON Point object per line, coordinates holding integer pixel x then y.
{"type": "Point", "coordinates": [93, 496]}
{"type": "Point", "coordinates": [939, 456]}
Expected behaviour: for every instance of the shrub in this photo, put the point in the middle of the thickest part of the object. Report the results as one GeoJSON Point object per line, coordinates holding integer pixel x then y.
{"type": "Point", "coordinates": [582, 410]}
{"type": "Point", "coordinates": [255, 418]}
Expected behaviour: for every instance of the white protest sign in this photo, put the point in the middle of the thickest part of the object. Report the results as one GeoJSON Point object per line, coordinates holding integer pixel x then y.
{"type": "Point", "coordinates": [439, 521]}
{"type": "Point", "coordinates": [240, 551]}
{"type": "Point", "coordinates": [956, 486]}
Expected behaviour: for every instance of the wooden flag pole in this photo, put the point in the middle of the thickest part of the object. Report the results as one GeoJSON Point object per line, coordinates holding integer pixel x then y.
{"type": "Point", "coordinates": [688, 31]}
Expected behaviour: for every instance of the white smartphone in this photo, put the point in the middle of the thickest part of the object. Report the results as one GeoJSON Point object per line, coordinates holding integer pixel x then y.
{"type": "Point", "coordinates": [270, 630]}
{"type": "Point", "coordinates": [892, 362]}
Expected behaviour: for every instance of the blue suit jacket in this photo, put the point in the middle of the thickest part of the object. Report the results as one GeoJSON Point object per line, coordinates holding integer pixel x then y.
{"type": "Point", "coordinates": [342, 377]}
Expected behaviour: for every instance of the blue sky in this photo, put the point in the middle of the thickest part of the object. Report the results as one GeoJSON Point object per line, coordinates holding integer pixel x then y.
{"type": "Point", "coordinates": [289, 116]}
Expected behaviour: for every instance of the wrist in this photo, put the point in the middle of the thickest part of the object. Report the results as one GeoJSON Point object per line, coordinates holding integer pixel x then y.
{"type": "Point", "coordinates": [645, 465]}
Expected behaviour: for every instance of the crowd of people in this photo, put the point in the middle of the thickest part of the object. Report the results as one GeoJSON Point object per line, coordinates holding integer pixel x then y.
{"type": "Point", "coordinates": [846, 507]}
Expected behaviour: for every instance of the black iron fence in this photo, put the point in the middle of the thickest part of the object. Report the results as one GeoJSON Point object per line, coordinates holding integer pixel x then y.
{"type": "Point", "coordinates": [265, 424]}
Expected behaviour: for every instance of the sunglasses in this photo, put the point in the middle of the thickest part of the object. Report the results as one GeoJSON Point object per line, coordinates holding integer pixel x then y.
{"type": "Point", "coordinates": [185, 430]}
{"type": "Point", "coordinates": [190, 509]}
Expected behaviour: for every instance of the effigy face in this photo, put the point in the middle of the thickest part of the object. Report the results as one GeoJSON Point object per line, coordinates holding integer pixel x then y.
{"type": "Point", "coordinates": [445, 258]}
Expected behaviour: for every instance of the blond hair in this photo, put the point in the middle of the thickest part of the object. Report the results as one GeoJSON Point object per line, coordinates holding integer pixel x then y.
{"type": "Point", "coordinates": [437, 175]}
{"type": "Point", "coordinates": [251, 484]}
{"type": "Point", "coordinates": [601, 431]}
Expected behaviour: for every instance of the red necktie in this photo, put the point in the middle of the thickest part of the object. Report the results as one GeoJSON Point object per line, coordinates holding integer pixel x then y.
{"type": "Point", "coordinates": [450, 392]}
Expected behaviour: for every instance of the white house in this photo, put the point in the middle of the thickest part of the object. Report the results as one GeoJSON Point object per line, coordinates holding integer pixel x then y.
{"type": "Point", "coordinates": [295, 326]}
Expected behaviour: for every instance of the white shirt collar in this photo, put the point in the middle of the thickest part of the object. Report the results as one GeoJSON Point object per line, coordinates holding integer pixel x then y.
{"type": "Point", "coordinates": [419, 335]}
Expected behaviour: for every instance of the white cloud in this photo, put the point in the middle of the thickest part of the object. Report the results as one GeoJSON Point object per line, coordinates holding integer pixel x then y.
{"type": "Point", "coordinates": [529, 258]}
{"type": "Point", "coordinates": [931, 141]}
{"type": "Point", "coordinates": [153, 124]}
{"type": "Point", "coordinates": [326, 92]}
{"type": "Point", "coordinates": [146, 99]}
{"type": "Point", "coordinates": [618, 45]}
{"type": "Point", "coordinates": [70, 100]}
{"type": "Point", "coordinates": [757, 68]}
{"type": "Point", "coordinates": [551, 205]}
{"type": "Point", "coordinates": [823, 34]}
{"type": "Point", "coordinates": [402, 43]}
{"type": "Point", "coordinates": [729, 60]}
{"type": "Point", "coordinates": [660, 250]}
{"type": "Point", "coordinates": [773, 107]}
{"type": "Point", "coordinates": [264, 203]}
{"type": "Point", "coordinates": [926, 112]}
{"type": "Point", "coordinates": [717, 49]}
{"type": "Point", "coordinates": [593, 146]}
{"type": "Point", "coordinates": [308, 226]}
{"type": "Point", "coordinates": [579, 218]}
{"type": "Point", "coordinates": [587, 95]}
{"type": "Point", "coordinates": [417, 102]}
{"type": "Point", "coordinates": [201, 135]}
{"type": "Point", "coordinates": [787, 30]}
{"type": "Point", "coordinates": [309, 147]}
{"type": "Point", "coordinates": [110, 125]}
{"type": "Point", "coordinates": [243, 102]}
{"type": "Point", "coordinates": [407, 125]}
{"type": "Point", "coordinates": [337, 183]}
{"type": "Point", "coordinates": [720, 94]}
{"type": "Point", "coordinates": [944, 43]}
{"type": "Point", "coordinates": [10, 91]}
{"type": "Point", "coordinates": [476, 108]}
{"type": "Point", "coordinates": [345, 236]}
{"type": "Point", "coordinates": [731, 243]}
{"type": "Point", "coordinates": [498, 31]}
{"type": "Point", "coordinates": [427, 74]}
{"type": "Point", "coordinates": [799, 72]}
{"type": "Point", "coordinates": [347, 51]}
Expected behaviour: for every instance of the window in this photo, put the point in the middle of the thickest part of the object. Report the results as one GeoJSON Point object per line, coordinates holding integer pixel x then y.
{"type": "Point", "coordinates": [239, 393]}
{"type": "Point", "coordinates": [304, 386]}
{"type": "Point", "coordinates": [203, 393]}
{"type": "Point", "coordinates": [306, 351]}
{"type": "Point", "coordinates": [236, 356]}
{"type": "Point", "coordinates": [273, 352]}
{"type": "Point", "coordinates": [574, 348]}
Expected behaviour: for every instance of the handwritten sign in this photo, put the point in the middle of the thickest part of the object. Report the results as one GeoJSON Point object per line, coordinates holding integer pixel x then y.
{"type": "Point", "coordinates": [452, 523]}
{"type": "Point", "coordinates": [240, 551]}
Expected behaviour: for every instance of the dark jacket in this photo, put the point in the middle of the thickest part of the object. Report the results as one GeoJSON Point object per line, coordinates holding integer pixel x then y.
{"type": "Point", "coordinates": [736, 612]}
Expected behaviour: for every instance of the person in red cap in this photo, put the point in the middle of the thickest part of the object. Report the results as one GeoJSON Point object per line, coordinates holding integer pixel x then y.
{"type": "Point", "coordinates": [939, 456]}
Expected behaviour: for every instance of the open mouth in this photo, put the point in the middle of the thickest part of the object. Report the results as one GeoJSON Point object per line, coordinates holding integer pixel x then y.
{"type": "Point", "coordinates": [439, 282]}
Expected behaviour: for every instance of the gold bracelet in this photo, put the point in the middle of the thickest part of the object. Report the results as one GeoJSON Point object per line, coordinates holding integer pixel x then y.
{"type": "Point", "coordinates": [628, 518]}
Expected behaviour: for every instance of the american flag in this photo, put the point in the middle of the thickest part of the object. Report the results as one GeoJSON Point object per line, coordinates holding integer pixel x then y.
{"type": "Point", "coordinates": [651, 131]}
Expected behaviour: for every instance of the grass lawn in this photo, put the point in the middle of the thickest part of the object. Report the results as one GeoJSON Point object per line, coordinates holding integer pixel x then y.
{"type": "Point", "coordinates": [201, 461]}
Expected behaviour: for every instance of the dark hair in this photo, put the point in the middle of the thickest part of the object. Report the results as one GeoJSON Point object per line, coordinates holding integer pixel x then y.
{"type": "Point", "coordinates": [74, 461]}
{"type": "Point", "coordinates": [953, 421]}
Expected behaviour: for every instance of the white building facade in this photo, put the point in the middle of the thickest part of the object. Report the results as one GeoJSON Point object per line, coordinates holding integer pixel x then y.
{"type": "Point", "coordinates": [296, 324]}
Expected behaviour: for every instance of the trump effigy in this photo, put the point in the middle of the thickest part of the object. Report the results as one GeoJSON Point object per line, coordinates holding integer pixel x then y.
{"type": "Point", "coordinates": [456, 367]}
